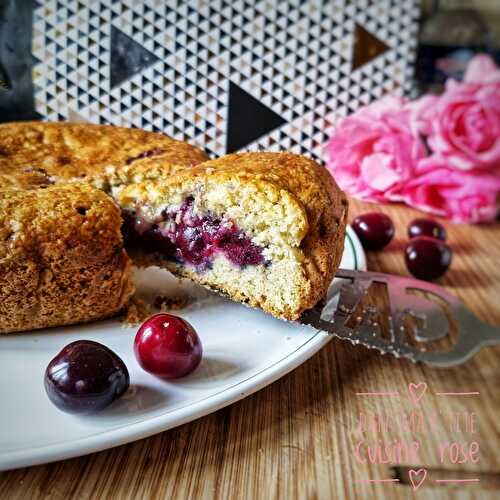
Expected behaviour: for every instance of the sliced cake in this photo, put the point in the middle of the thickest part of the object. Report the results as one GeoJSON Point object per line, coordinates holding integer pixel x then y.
{"type": "Point", "coordinates": [267, 229]}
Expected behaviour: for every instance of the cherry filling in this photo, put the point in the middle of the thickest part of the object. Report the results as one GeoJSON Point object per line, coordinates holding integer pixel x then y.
{"type": "Point", "coordinates": [185, 237]}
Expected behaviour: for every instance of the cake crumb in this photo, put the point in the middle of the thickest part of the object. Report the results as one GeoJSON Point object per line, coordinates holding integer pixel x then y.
{"type": "Point", "coordinates": [174, 303]}
{"type": "Point", "coordinates": [136, 312]}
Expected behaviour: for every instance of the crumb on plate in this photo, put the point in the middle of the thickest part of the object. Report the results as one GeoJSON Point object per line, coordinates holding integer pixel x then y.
{"type": "Point", "coordinates": [136, 312]}
{"type": "Point", "coordinates": [174, 303]}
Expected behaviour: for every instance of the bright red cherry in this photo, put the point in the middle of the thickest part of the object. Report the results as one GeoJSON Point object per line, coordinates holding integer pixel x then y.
{"type": "Point", "coordinates": [167, 346]}
{"type": "Point", "coordinates": [426, 227]}
{"type": "Point", "coordinates": [427, 258]}
{"type": "Point", "coordinates": [374, 229]}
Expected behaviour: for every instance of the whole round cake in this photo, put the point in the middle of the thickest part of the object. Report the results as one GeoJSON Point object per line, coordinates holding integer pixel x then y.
{"type": "Point", "coordinates": [76, 200]}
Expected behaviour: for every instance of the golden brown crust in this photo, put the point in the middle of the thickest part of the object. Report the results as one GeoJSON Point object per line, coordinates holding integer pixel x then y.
{"type": "Point", "coordinates": [34, 154]}
{"type": "Point", "coordinates": [61, 252]}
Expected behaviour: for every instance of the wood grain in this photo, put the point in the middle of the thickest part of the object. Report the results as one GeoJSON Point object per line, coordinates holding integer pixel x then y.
{"type": "Point", "coordinates": [296, 438]}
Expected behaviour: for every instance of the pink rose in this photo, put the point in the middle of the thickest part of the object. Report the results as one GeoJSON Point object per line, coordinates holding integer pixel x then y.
{"type": "Point", "coordinates": [461, 196]}
{"type": "Point", "coordinates": [482, 70]}
{"type": "Point", "coordinates": [373, 153]}
{"type": "Point", "coordinates": [463, 124]}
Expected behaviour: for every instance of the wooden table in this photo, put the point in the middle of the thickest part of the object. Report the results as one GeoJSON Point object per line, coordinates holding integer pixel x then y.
{"type": "Point", "coordinates": [297, 438]}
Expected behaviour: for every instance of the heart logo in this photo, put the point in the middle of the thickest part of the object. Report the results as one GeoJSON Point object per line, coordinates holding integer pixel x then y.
{"type": "Point", "coordinates": [417, 477]}
{"type": "Point", "coordinates": [417, 391]}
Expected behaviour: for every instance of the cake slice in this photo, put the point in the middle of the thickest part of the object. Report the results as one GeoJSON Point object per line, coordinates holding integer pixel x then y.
{"type": "Point", "coordinates": [267, 229]}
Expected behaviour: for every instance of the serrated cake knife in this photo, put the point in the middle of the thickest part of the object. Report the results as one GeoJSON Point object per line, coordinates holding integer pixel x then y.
{"type": "Point", "coordinates": [420, 315]}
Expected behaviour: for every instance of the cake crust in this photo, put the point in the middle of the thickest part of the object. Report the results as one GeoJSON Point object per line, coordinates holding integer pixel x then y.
{"type": "Point", "coordinates": [37, 154]}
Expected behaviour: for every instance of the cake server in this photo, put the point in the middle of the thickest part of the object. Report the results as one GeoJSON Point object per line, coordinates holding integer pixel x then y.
{"type": "Point", "coordinates": [423, 322]}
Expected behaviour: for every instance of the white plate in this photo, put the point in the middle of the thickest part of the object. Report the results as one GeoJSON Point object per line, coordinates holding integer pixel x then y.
{"type": "Point", "coordinates": [244, 350]}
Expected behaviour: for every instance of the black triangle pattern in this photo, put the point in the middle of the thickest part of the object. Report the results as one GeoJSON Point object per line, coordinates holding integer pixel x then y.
{"type": "Point", "coordinates": [127, 57]}
{"type": "Point", "coordinates": [193, 69]}
{"type": "Point", "coordinates": [248, 119]}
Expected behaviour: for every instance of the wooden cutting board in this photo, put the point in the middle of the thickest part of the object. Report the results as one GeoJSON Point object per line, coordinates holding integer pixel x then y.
{"type": "Point", "coordinates": [301, 436]}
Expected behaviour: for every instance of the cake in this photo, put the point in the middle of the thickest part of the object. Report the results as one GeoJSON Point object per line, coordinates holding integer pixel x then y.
{"type": "Point", "coordinates": [267, 229]}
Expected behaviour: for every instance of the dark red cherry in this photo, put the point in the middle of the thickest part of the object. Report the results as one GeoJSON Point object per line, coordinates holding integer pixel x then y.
{"type": "Point", "coordinates": [85, 377]}
{"type": "Point", "coordinates": [167, 346]}
{"type": "Point", "coordinates": [426, 227]}
{"type": "Point", "coordinates": [192, 239]}
{"type": "Point", "coordinates": [427, 258]}
{"type": "Point", "coordinates": [374, 229]}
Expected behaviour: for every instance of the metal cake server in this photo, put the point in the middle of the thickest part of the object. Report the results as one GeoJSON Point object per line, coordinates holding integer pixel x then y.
{"type": "Point", "coordinates": [420, 317]}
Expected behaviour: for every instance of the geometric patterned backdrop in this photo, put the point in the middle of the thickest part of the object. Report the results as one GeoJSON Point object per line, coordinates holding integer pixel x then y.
{"type": "Point", "coordinates": [225, 75]}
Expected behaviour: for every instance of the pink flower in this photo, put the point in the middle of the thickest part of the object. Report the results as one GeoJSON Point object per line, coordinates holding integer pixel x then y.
{"type": "Point", "coordinates": [463, 124]}
{"type": "Point", "coordinates": [482, 70]}
{"type": "Point", "coordinates": [379, 153]}
{"type": "Point", "coordinates": [461, 196]}
{"type": "Point", "coordinates": [373, 153]}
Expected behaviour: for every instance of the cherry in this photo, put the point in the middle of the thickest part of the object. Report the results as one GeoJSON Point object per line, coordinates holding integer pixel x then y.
{"type": "Point", "coordinates": [427, 258]}
{"type": "Point", "coordinates": [374, 229]}
{"type": "Point", "coordinates": [184, 236]}
{"type": "Point", "coordinates": [426, 227]}
{"type": "Point", "coordinates": [167, 346]}
{"type": "Point", "coordinates": [85, 377]}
